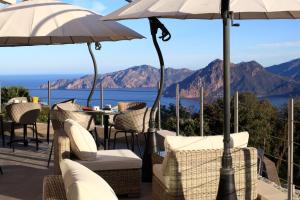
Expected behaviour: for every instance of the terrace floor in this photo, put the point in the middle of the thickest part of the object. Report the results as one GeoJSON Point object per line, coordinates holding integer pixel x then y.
{"type": "Point", "coordinates": [25, 168]}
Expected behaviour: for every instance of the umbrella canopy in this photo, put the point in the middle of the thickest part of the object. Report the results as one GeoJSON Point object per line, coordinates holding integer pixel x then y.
{"type": "Point", "coordinates": [208, 9]}
{"type": "Point", "coordinates": [48, 22]}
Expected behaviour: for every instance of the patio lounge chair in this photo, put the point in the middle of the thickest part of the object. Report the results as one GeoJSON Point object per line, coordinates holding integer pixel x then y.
{"type": "Point", "coordinates": [84, 184]}
{"type": "Point", "coordinates": [191, 172]}
{"type": "Point", "coordinates": [121, 169]}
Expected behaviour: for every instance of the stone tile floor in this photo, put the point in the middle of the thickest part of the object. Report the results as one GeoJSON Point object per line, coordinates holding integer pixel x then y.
{"type": "Point", "coordinates": [25, 168]}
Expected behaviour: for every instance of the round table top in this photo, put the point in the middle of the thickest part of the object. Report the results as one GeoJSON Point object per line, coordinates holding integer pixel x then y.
{"type": "Point", "coordinates": [101, 111]}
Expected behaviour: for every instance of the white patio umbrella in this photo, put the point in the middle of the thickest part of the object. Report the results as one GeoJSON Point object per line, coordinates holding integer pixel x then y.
{"type": "Point", "coordinates": [227, 10]}
{"type": "Point", "coordinates": [50, 22]}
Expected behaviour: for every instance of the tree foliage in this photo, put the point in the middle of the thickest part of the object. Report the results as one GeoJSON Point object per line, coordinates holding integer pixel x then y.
{"type": "Point", "coordinates": [11, 92]}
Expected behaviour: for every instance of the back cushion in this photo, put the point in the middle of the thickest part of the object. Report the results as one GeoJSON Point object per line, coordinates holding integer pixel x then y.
{"type": "Point", "coordinates": [82, 142]}
{"type": "Point", "coordinates": [83, 184]}
{"type": "Point", "coordinates": [177, 143]}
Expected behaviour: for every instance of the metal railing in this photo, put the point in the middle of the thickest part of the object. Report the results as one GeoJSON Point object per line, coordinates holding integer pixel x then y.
{"type": "Point", "coordinates": [237, 127]}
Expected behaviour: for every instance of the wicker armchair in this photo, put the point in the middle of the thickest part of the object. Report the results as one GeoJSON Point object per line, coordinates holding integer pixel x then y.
{"type": "Point", "coordinates": [65, 110]}
{"type": "Point", "coordinates": [23, 114]}
{"type": "Point", "coordinates": [134, 120]}
{"type": "Point", "coordinates": [195, 174]}
{"type": "Point", "coordinates": [122, 181]}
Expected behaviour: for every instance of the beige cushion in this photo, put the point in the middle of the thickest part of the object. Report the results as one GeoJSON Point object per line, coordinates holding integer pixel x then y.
{"type": "Point", "coordinates": [83, 184]}
{"type": "Point", "coordinates": [181, 143]}
{"type": "Point", "coordinates": [178, 143]}
{"type": "Point", "coordinates": [82, 142]}
{"type": "Point", "coordinates": [114, 160]}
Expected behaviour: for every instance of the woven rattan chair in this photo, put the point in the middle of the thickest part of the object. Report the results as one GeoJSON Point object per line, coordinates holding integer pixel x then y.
{"type": "Point", "coordinates": [53, 188]}
{"type": "Point", "coordinates": [194, 175]}
{"type": "Point", "coordinates": [65, 110]}
{"type": "Point", "coordinates": [122, 181]}
{"type": "Point", "coordinates": [133, 121]}
{"type": "Point", "coordinates": [23, 114]}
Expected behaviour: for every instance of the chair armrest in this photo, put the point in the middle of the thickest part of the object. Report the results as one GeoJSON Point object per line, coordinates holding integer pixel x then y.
{"type": "Point", "coordinates": [62, 148]}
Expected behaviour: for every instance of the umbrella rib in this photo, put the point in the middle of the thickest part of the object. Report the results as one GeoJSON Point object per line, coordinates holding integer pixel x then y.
{"type": "Point", "coordinates": [290, 13]}
{"type": "Point", "coordinates": [33, 17]}
{"type": "Point", "coordinates": [266, 14]}
{"type": "Point", "coordinates": [72, 39]}
{"type": "Point", "coordinates": [56, 22]}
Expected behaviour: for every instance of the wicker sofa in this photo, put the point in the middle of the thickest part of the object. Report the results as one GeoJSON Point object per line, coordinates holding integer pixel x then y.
{"type": "Point", "coordinates": [125, 180]}
{"type": "Point", "coordinates": [194, 174]}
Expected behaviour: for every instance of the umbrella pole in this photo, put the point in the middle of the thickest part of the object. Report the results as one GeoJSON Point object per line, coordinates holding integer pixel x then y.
{"type": "Point", "coordinates": [226, 189]}
{"type": "Point", "coordinates": [151, 145]}
{"type": "Point", "coordinates": [95, 73]}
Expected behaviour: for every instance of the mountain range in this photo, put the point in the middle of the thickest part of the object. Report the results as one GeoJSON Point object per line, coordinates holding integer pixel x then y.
{"type": "Point", "coordinates": [144, 76]}
{"type": "Point", "coordinates": [278, 80]}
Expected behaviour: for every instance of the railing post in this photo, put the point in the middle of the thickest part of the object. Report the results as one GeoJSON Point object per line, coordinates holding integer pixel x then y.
{"type": "Point", "coordinates": [201, 111]}
{"type": "Point", "coordinates": [49, 114]}
{"type": "Point", "coordinates": [159, 113]}
{"type": "Point", "coordinates": [290, 147]}
{"type": "Point", "coordinates": [49, 94]}
{"type": "Point", "coordinates": [101, 101]}
{"type": "Point", "coordinates": [236, 112]}
{"type": "Point", "coordinates": [177, 108]}
{"type": "Point", "coordinates": [0, 98]}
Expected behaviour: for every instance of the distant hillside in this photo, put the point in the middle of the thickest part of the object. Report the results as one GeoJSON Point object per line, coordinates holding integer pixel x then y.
{"type": "Point", "coordinates": [143, 76]}
{"type": "Point", "coordinates": [245, 77]}
{"type": "Point", "coordinates": [289, 69]}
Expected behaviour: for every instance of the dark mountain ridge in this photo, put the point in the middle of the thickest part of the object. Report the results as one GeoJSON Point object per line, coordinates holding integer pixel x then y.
{"type": "Point", "coordinates": [245, 77]}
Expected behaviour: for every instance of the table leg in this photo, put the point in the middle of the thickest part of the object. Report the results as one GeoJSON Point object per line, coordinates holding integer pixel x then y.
{"type": "Point", "coordinates": [106, 117]}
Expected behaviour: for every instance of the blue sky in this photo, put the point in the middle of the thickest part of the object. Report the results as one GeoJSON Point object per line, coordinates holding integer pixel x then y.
{"type": "Point", "coordinates": [194, 44]}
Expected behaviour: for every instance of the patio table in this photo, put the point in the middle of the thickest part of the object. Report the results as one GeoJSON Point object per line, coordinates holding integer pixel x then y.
{"type": "Point", "coordinates": [106, 114]}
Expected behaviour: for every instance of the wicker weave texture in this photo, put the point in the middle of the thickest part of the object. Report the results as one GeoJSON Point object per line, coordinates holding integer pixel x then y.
{"type": "Point", "coordinates": [123, 181]}
{"type": "Point", "coordinates": [23, 113]}
{"type": "Point", "coordinates": [69, 110]}
{"type": "Point", "coordinates": [195, 174]}
{"type": "Point", "coordinates": [53, 188]}
{"type": "Point", "coordinates": [62, 148]}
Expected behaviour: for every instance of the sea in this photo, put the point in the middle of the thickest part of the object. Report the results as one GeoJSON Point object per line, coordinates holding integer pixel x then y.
{"type": "Point", "coordinates": [110, 96]}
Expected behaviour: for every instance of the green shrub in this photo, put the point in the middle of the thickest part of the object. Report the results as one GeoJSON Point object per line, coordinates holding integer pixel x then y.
{"type": "Point", "coordinates": [11, 92]}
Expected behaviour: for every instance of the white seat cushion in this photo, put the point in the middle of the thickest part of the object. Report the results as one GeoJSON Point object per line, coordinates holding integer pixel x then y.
{"type": "Point", "coordinates": [82, 143]}
{"type": "Point", "coordinates": [114, 160]}
{"type": "Point", "coordinates": [83, 184]}
{"type": "Point", "coordinates": [178, 143]}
